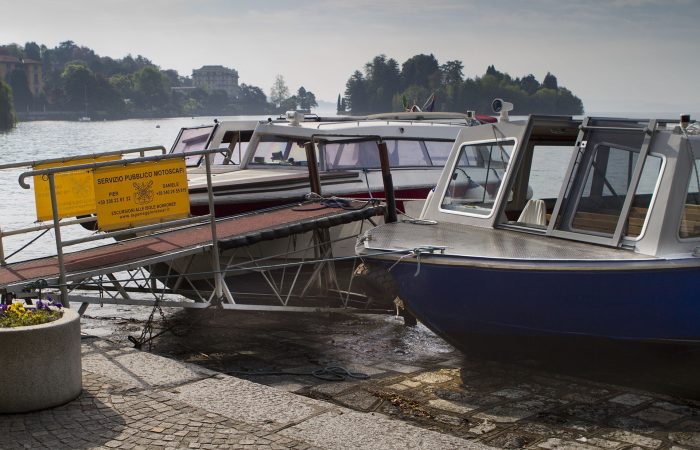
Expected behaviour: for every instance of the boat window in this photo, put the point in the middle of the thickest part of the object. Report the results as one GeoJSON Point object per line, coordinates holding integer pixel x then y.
{"type": "Point", "coordinates": [537, 184]}
{"type": "Point", "coordinates": [604, 191]}
{"type": "Point", "coordinates": [690, 222]}
{"type": "Point", "coordinates": [191, 139]}
{"type": "Point", "coordinates": [236, 142]}
{"type": "Point", "coordinates": [279, 151]}
{"type": "Point", "coordinates": [439, 151]}
{"type": "Point", "coordinates": [477, 177]}
{"type": "Point", "coordinates": [364, 154]}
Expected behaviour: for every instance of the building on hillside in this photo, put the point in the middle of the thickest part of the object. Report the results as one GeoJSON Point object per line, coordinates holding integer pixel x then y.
{"type": "Point", "coordinates": [33, 69]}
{"type": "Point", "coordinates": [215, 78]}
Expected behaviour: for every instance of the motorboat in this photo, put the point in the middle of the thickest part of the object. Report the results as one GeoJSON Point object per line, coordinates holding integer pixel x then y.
{"type": "Point", "coordinates": [553, 227]}
{"type": "Point", "coordinates": [264, 162]}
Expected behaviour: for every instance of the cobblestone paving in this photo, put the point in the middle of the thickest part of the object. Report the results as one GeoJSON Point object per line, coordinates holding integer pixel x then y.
{"type": "Point", "coordinates": [510, 407]}
{"type": "Point", "coordinates": [110, 415]}
{"type": "Point", "coordinates": [629, 402]}
{"type": "Point", "coordinates": [137, 400]}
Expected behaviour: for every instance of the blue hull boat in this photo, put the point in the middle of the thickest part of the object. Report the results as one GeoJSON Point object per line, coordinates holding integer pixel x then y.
{"type": "Point", "coordinates": [591, 231]}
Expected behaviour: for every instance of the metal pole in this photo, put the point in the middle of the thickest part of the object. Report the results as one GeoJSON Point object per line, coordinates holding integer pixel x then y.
{"type": "Point", "coordinates": [312, 164]}
{"type": "Point", "coordinates": [2, 249]}
{"type": "Point", "coordinates": [218, 281]}
{"type": "Point", "coordinates": [59, 244]}
{"type": "Point", "coordinates": [390, 215]}
{"type": "Point", "coordinates": [323, 237]}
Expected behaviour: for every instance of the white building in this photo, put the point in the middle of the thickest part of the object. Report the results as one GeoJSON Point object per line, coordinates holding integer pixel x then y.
{"type": "Point", "coordinates": [214, 78]}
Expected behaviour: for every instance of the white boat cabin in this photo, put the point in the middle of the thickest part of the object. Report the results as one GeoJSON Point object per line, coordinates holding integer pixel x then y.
{"type": "Point", "coordinates": [620, 183]}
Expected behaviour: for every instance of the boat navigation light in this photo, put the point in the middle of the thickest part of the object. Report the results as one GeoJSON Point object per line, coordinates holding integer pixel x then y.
{"type": "Point", "coordinates": [501, 107]}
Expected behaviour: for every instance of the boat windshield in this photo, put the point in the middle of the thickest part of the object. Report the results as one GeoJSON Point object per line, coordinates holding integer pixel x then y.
{"type": "Point", "coordinates": [402, 153]}
{"type": "Point", "coordinates": [690, 221]}
{"type": "Point", "coordinates": [603, 178]}
{"type": "Point", "coordinates": [191, 139]}
{"type": "Point", "coordinates": [476, 177]}
{"type": "Point", "coordinates": [275, 151]}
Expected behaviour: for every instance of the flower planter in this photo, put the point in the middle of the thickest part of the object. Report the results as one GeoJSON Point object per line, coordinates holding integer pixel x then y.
{"type": "Point", "coordinates": [40, 365]}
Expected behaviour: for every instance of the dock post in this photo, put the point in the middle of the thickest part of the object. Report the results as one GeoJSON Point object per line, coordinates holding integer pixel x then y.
{"type": "Point", "coordinates": [59, 243]}
{"type": "Point", "coordinates": [390, 215]}
{"type": "Point", "coordinates": [216, 265]}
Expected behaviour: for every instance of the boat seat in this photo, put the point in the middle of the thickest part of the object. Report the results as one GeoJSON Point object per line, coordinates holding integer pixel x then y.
{"type": "Point", "coordinates": [534, 213]}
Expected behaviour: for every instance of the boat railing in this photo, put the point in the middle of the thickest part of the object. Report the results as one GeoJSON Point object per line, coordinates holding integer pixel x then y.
{"type": "Point", "coordinates": [50, 174]}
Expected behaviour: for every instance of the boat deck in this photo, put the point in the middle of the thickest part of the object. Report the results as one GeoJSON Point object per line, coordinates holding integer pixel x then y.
{"type": "Point", "coordinates": [232, 232]}
{"type": "Point", "coordinates": [486, 243]}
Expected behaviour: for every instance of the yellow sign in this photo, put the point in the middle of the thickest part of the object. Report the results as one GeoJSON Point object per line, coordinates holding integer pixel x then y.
{"type": "Point", "coordinates": [74, 189]}
{"type": "Point", "coordinates": [141, 194]}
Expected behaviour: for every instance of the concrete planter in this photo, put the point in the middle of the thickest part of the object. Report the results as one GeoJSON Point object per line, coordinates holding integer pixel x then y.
{"type": "Point", "coordinates": [40, 365]}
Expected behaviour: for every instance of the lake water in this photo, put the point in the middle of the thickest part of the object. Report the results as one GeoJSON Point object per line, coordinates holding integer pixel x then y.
{"type": "Point", "coordinates": [31, 141]}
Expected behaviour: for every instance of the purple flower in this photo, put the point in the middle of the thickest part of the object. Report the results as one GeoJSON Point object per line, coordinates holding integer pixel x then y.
{"type": "Point", "coordinates": [41, 305]}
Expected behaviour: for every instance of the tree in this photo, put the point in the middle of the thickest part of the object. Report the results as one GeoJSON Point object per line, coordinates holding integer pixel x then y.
{"type": "Point", "coordinates": [252, 98]}
{"type": "Point", "coordinates": [452, 72]}
{"type": "Point", "coordinates": [151, 89]}
{"type": "Point", "coordinates": [32, 51]}
{"type": "Point", "coordinates": [421, 70]}
{"type": "Point", "coordinates": [306, 99]}
{"type": "Point", "coordinates": [339, 105]}
{"type": "Point", "coordinates": [78, 82]}
{"type": "Point", "coordinates": [529, 84]}
{"type": "Point", "coordinates": [356, 94]}
{"type": "Point", "coordinates": [7, 112]}
{"type": "Point", "coordinates": [22, 95]}
{"type": "Point", "coordinates": [550, 82]}
{"type": "Point", "coordinates": [279, 91]}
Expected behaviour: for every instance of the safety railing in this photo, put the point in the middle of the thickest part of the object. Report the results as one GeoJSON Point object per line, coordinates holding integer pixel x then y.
{"type": "Point", "coordinates": [64, 160]}
{"type": "Point", "coordinates": [50, 174]}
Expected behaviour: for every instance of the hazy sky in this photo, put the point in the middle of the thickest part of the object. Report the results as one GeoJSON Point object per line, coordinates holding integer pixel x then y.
{"type": "Point", "coordinates": [616, 55]}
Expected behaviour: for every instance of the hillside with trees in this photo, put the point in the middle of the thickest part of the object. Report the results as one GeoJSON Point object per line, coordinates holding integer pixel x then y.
{"type": "Point", "coordinates": [384, 86]}
{"type": "Point", "coordinates": [77, 81]}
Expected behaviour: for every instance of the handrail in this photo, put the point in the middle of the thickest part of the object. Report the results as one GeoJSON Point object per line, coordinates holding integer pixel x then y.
{"type": "Point", "coordinates": [50, 174]}
{"type": "Point", "coordinates": [121, 162]}
{"type": "Point", "coordinates": [141, 150]}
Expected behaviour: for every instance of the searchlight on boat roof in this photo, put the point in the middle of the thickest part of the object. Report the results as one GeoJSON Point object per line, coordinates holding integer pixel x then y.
{"type": "Point", "coordinates": [295, 117]}
{"type": "Point", "coordinates": [501, 107]}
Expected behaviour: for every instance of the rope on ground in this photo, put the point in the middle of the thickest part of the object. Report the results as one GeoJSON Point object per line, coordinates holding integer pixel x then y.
{"type": "Point", "coordinates": [329, 373]}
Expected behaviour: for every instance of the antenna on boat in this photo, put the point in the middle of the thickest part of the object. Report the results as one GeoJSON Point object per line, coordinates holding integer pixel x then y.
{"type": "Point", "coordinates": [501, 107]}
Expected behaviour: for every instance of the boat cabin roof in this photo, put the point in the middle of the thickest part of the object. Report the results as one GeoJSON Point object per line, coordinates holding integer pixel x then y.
{"type": "Point", "coordinates": [614, 182]}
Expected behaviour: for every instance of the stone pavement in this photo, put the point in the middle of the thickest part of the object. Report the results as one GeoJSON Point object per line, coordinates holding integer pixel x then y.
{"type": "Point", "coordinates": [137, 400]}
{"type": "Point", "coordinates": [578, 399]}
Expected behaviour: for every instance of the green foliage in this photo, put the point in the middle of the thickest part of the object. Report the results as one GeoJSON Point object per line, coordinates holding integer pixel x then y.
{"type": "Point", "coordinates": [22, 95]}
{"type": "Point", "coordinates": [78, 80]}
{"type": "Point", "coordinates": [7, 112]}
{"type": "Point", "coordinates": [382, 88]}
{"type": "Point", "coordinates": [279, 91]}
